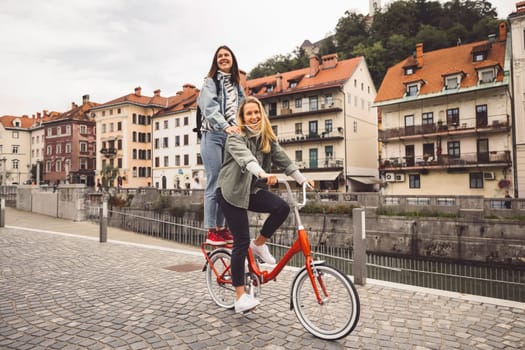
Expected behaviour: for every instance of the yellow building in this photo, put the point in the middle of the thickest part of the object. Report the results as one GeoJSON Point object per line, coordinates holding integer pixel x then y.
{"type": "Point", "coordinates": [446, 121]}
{"type": "Point", "coordinates": [124, 137]}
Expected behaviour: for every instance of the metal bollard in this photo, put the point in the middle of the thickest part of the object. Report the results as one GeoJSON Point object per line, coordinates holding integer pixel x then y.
{"type": "Point", "coordinates": [359, 239]}
{"type": "Point", "coordinates": [2, 212]}
{"type": "Point", "coordinates": [104, 222]}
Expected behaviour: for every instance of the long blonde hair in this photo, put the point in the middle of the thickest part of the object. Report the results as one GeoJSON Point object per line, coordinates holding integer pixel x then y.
{"type": "Point", "coordinates": [267, 135]}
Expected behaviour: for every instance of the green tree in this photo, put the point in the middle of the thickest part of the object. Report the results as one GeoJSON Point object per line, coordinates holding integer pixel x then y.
{"type": "Point", "coordinates": [432, 38]}
{"type": "Point", "coordinates": [108, 175]}
{"type": "Point", "coordinates": [351, 30]}
{"type": "Point", "coordinates": [375, 59]}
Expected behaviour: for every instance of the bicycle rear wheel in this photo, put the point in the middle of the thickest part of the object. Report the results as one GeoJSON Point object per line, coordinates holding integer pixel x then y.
{"type": "Point", "coordinates": [220, 285]}
{"type": "Point", "coordinates": [338, 313]}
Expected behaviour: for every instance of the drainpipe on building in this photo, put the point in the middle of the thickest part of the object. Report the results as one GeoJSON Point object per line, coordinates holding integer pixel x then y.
{"type": "Point", "coordinates": [345, 131]}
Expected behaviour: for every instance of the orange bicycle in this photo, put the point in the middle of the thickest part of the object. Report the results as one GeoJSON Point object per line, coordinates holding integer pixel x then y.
{"type": "Point", "coordinates": [323, 298]}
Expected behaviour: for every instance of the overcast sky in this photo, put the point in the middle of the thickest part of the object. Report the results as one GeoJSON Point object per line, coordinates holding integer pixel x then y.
{"type": "Point", "coordinates": [52, 52]}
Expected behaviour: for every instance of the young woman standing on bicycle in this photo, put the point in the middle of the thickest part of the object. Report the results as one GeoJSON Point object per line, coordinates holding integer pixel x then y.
{"type": "Point", "coordinates": [249, 156]}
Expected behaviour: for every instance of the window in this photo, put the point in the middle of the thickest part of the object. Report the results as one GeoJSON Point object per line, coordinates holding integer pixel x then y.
{"type": "Point", "coordinates": [15, 163]}
{"type": "Point", "coordinates": [298, 103]}
{"type": "Point", "coordinates": [68, 130]}
{"type": "Point", "coordinates": [156, 143]}
{"type": "Point", "coordinates": [48, 166]}
{"type": "Point", "coordinates": [298, 128]}
{"type": "Point", "coordinates": [275, 129]}
{"type": "Point", "coordinates": [269, 88]}
{"type": "Point", "coordinates": [453, 149]}
{"type": "Point", "coordinates": [15, 134]}
{"type": "Point", "coordinates": [355, 126]}
{"type": "Point", "coordinates": [103, 128]}
{"type": "Point", "coordinates": [312, 128]}
{"type": "Point", "coordinates": [412, 90]}
{"type": "Point", "coordinates": [134, 136]}
{"type": "Point", "coordinates": [68, 147]}
{"type": "Point", "coordinates": [409, 70]}
{"type": "Point", "coordinates": [111, 127]}
{"type": "Point", "coordinates": [177, 140]}
{"type": "Point", "coordinates": [453, 116]}
{"type": "Point", "coordinates": [328, 127]}
{"type": "Point", "coordinates": [58, 148]}
{"type": "Point", "coordinates": [476, 180]}
{"type": "Point", "coordinates": [49, 150]}
{"type": "Point", "coordinates": [286, 104]}
{"type": "Point", "coordinates": [478, 57]}
{"type": "Point", "coordinates": [166, 125]}
{"type": "Point", "coordinates": [298, 156]}
{"type": "Point", "coordinates": [134, 118]}
{"type": "Point", "coordinates": [293, 84]}
{"type": "Point", "coordinates": [134, 154]}
{"type": "Point", "coordinates": [119, 126]}
{"type": "Point", "coordinates": [414, 181]}
{"type": "Point", "coordinates": [15, 149]}
{"type": "Point", "coordinates": [177, 122]}
{"type": "Point", "coordinates": [486, 76]}
{"type": "Point", "coordinates": [166, 161]}
{"type": "Point", "coordinates": [83, 163]}
{"type": "Point", "coordinates": [177, 160]}
{"type": "Point", "coordinates": [328, 100]}
{"type": "Point", "coordinates": [83, 129]}
{"type": "Point", "coordinates": [186, 159]}
{"type": "Point", "coordinates": [186, 121]}
{"type": "Point", "coordinates": [199, 159]}
{"type": "Point", "coordinates": [481, 116]}
{"type": "Point", "coordinates": [119, 144]}
{"type": "Point", "coordinates": [313, 103]}
{"type": "Point", "coordinates": [329, 152]}
{"type": "Point", "coordinates": [451, 83]}
{"type": "Point", "coordinates": [186, 139]}
{"type": "Point", "coordinates": [409, 121]}
{"type": "Point", "coordinates": [165, 142]}
{"type": "Point", "coordinates": [58, 165]}
{"type": "Point", "coordinates": [157, 125]}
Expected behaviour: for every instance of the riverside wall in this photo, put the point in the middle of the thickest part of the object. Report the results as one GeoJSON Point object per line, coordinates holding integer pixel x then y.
{"type": "Point", "coordinates": [471, 236]}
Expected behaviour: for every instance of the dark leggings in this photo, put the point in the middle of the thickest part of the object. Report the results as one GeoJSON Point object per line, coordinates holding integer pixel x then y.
{"type": "Point", "coordinates": [263, 201]}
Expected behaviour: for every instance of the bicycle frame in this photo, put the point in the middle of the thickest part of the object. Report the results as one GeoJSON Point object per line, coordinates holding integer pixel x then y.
{"type": "Point", "coordinates": [301, 244]}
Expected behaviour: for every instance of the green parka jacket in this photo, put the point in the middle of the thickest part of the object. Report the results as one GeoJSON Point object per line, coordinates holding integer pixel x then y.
{"type": "Point", "coordinates": [235, 181]}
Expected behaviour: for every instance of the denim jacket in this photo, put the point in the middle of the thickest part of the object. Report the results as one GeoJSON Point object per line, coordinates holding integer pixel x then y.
{"type": "Point", "coordinates": [213, 103]}
{"type": "Point", "coordinates": [235, 181]}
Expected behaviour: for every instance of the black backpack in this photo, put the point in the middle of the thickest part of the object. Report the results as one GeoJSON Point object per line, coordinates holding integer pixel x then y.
{"type": "Point", "coordinates": [199, 116]}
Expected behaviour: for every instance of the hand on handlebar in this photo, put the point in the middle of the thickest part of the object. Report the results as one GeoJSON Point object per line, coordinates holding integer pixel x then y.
{"type": "Point", "coordinates": [309, 184]}
{"type": "Point", "coordinates": [271, 179]}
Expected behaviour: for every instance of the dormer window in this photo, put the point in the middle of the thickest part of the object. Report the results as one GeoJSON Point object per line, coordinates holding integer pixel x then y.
{"type": "Point", "coordinates": [451, 83]}
{"type": "Point", "coordinates": [480, 52]}
{"type": "Point", "coordinates": [412, 89]}
{"type": "Point", "coordinates": [478, 57]}
{"type": "Point", "coordinates": [293, 84]}
{"type": "Point", "coordinates": [269, 88]}
{"type": "Point", "coordinates": [409, 70]}
{"type": "Point", "coordinates": [487, 75]}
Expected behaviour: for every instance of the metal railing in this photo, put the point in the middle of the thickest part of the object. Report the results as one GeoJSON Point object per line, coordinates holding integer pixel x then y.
{"type": "Point", "coordinates": [485, 279]}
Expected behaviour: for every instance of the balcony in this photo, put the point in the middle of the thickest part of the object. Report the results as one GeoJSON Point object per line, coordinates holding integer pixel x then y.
{"type": "Point", "coordinates": [108, 152]}
{"type": "Point", "coordinates": [440, 129]}
{"type": "Point", "coordinates": [320, 135]}
{"type": "Point", "coordinates": [466, 160]}
{"type": "Point", "coordinates": [320, 164]}
{"type": "Point", "coordinates": [336, 105]}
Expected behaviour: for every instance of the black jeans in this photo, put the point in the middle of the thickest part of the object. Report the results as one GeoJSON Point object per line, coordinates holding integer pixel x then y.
{"type": "Point", "coordinates": [263, 201]}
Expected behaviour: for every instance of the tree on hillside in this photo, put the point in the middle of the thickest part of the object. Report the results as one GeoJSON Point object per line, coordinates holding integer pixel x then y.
{"type": "Point", "coordinates": [395, 31]}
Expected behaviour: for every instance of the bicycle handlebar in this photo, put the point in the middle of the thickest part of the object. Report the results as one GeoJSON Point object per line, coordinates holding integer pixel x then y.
{"type": "Point", "coordinates": [305, 185]}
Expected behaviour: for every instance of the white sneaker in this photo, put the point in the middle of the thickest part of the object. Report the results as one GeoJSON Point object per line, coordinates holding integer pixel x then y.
{"type": "Point", "coordinates": [245, 303]}
{"type": "Point", "coordinates": [262, 252]}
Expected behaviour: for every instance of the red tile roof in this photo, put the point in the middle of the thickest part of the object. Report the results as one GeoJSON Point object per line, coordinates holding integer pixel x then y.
{"type": "Point", "coordinates": [139, 99]}
{"type": "Point", "coordinates": [26, 122]}
{"type": "Point", "coordinates": [326, 77]}
{"type": "Point", "coordinates": [79, 113]}
{"type": "Point", "coordinates": [439, 63]}
{"type": "Point", "coordinates": [185, 99]}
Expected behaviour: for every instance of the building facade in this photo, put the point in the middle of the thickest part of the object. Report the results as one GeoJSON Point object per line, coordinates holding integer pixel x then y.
{"type": "Point", "coordinates": [15, 149]}
{"type": "Point", "coordinates": [324, 120]}
{"type": "Point", "coordinates": [176, 149]}
{"type": "Point", "coordinates": [517, 30]}
{"type": "Point", "coordinates": [70, 148]}
{"type": "Point", "coordinates": [124, 138]}
{"type": "Point", "coordinates": [446, 121]}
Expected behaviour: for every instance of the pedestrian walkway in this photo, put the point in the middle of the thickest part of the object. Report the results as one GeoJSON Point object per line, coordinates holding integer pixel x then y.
{"type": "Point", "coordinates": [60, 288]}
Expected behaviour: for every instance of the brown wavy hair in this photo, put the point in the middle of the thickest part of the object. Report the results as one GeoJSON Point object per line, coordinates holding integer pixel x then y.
{"type": "Point", "coordinates": [236, 75]}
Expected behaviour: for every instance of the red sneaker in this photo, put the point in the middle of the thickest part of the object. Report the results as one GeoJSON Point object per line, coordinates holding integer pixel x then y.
{"type": "Point", "coordinates": [226, 235]}
{"type": "Point", "coordinates": [214, 238]}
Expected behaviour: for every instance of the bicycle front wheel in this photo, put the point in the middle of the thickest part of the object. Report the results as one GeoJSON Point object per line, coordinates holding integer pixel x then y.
{"type": "Point", "coordinates": [338, 313]}
{"type": "Point", "coordinates": [219, 282]}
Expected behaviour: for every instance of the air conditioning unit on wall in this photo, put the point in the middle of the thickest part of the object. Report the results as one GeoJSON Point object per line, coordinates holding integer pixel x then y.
{"type": "Point", "coordinates": [400, 177]}
{"type": "Point", "coordinates": [390, 177]}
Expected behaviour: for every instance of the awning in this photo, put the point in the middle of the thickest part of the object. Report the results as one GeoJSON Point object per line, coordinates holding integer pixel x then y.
{"type": "Point", "coordinates": [322, 175]}
{"type": "Point", "coordinates": [367, 180]}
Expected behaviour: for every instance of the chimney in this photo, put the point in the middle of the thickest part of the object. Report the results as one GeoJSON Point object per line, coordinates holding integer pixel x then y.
{"type": "Point", "coordinates": [85, 99]}
{"type": "Point", "coordinates": [188, 88]}
{"type": "Point", "coordinates": [38, 115]}
{"type": "Point", "coordinates": [329, 61]}
{"type": "Point", "coordinates": [44, 112]}
{"type": "Point", "coordinates": [156, 93]}
{"type": "Point", "coordinates": [503, 31]}
{"type": "Point", "coordinates": [138, 89]}
{"type": "Point", "coordinates": [73, 105]}
{"type": "Point", "coordinates": [314, 66]}
{"type": "Point", "coordinates": [419, 54]}
{"type": "Point", "coordinates": [278, 82]}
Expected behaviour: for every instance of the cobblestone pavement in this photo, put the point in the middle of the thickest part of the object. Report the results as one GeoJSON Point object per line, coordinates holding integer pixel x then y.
{"type": "Point", "coordinates": [62, 291]}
